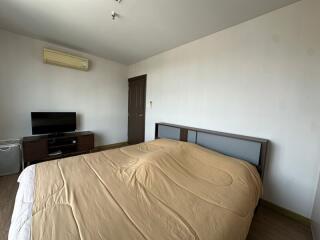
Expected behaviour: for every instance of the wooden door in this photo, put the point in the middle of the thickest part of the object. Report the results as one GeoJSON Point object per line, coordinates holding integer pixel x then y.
{"type": "Point", "coordinates": [137, 108]}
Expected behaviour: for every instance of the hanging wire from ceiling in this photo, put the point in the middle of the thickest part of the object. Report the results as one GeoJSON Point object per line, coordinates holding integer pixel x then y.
{"type": "Point", "coordinates": [114, 14]}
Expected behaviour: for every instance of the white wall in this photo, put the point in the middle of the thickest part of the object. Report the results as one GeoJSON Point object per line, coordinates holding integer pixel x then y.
{"type": "Point", "coordinates": [26, 84]}
{"type": "Point", "coordinates": [316, 215]}
{"type": "Point", "coordinates": [259, 78]}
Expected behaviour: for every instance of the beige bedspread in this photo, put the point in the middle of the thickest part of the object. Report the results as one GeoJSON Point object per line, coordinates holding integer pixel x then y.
{"type": "Point", "coordinates": [161, 189]}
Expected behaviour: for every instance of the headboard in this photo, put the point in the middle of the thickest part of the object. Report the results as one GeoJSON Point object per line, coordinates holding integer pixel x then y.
{"type": "Point", "coordinates": [250, 149]}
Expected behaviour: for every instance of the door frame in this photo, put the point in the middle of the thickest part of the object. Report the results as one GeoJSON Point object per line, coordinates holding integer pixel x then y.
{"type": "Point", "coordinates": [144, 78]}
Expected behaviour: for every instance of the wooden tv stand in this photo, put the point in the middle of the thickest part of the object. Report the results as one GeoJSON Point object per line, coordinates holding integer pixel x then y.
{"type": "Point", "coordinates": [45, 148]}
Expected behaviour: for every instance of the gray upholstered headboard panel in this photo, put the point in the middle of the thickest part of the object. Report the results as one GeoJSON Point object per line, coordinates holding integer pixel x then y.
{"type": "Point", "coordinates": [169, 132]}
{"type": "Point", "coordinates": [253, 150]}
{"type": "Point", "coordinates": [238, 148]}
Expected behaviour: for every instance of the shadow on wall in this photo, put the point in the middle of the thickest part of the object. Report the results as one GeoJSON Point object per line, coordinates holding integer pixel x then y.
{"type": "Point", "coordinates": [268, 177]}
{"type": "Point", "coordinates": [79, 121]}
{"type": "Point", "coordinates": [271, 186]}
{"type": "Point", "coordinates": [98, 139]}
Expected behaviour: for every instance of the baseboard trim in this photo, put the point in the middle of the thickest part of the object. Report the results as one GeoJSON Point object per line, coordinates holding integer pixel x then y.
{"type": "Point", "coordinates": [286, 212]}
{"type": "Point", "coordinates": [110, 146]}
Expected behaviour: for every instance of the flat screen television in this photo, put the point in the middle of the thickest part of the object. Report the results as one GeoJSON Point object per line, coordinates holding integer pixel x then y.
{"type": "Point", "coordinates": [53, 122]}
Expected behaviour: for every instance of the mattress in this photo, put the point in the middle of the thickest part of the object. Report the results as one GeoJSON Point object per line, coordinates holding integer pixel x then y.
{"type": "Point", "coordinates": [163, 189]}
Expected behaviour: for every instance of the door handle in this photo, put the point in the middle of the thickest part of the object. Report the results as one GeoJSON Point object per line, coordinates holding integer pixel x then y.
{"type": "Point", "coordinates": [140, 115]}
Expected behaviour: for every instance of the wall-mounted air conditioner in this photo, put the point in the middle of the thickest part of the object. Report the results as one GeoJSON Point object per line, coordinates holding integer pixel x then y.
{"type": "Point", "coordinates": [65, 59]}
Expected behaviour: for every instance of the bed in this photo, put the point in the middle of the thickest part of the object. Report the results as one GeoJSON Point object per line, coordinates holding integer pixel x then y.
{"type": "Point", "coordinates": [187, 184]}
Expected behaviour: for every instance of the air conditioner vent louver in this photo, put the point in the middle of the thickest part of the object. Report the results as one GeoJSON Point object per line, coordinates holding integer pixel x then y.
{"type": "Point", "coordinates": [65, 60]}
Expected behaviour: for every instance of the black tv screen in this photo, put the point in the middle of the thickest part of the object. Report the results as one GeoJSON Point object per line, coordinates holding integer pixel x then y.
{"type": "Point", "coordinates": [53, 122]}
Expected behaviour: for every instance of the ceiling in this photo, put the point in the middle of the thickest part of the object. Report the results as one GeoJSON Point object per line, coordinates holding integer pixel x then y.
{"type": "Point", "coordinates": [144, 28]}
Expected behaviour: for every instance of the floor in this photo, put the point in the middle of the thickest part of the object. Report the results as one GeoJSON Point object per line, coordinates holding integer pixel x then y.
{"type": "Point", "coordinates": [8, 189]}
{"type": "Point", "coordinates": [267, 224]}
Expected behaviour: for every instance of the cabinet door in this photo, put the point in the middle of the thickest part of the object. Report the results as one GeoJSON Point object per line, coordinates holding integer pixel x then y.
{"type": "Point", "coordinates": [35, 150]}
{"type": "Point", "coordinates": [85, 143]}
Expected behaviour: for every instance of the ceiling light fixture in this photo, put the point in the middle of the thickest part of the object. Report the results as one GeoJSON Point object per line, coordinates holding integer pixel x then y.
{"type": "Point", "coordinates": [114, 15]}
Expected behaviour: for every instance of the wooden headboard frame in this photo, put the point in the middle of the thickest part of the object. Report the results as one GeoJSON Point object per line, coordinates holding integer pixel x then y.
{"type": "Point", "coordinates": [184, 133]}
